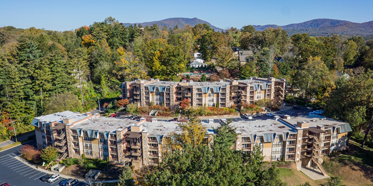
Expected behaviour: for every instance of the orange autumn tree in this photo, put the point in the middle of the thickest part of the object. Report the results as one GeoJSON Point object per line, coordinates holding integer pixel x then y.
{"type": "Point", "coordinates": [185, 104]}
{"type": "Point", "coordinates": [123, 102]}
{"type": "Point", "coordinates": [87, 40]}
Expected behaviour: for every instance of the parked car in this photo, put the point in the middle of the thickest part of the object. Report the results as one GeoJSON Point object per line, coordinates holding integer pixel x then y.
{"type": "Point", "coordinates": [74, 182]}
{"type": "Point", "coordinates": [296, 107]}
{"type": "Point", "coordinates": [5, 184]}
{"type": "Point", "coordinates": [269, 114]}
{"type": "Point", "coordinates": [46, 177]}
{"type": "Point", "coordinates": [66, 182]}
{"type": "Point", "coordinates": [54, 178]}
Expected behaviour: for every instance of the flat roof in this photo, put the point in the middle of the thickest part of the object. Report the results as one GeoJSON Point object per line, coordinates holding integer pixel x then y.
{"type": "Point", "coordinates": [316, 120]}
{"type": "Point", "coordinates": [59, 116]}
{"type": "Point", "coordinates": [104, 124]}
{"type": "Point", "coordinates": [245, 128]}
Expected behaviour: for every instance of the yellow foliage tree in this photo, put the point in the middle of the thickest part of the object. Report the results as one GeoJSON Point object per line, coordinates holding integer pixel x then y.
{"type": "Point", "coordinates": [192, 132]}
{"type": "Point", "coordinates": [128, 67]}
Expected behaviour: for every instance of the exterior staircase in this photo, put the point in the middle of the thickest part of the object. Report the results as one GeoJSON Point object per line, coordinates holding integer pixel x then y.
{"type": "Point", "coordinates": [319, 166]}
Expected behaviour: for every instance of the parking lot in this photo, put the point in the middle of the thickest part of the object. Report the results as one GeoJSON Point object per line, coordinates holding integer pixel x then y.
{"type": "Point", "coordinates": [17, 173]}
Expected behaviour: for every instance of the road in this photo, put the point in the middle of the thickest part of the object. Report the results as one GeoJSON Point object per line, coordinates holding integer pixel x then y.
{"type": "Point", "coordinates": [17, 173]}
{"type": "Point", "coordinates": [19, 138]}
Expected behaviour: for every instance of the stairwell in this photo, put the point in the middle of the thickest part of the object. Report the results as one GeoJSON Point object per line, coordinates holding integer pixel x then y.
{"type": "Point", "coordinates": [319, 166]}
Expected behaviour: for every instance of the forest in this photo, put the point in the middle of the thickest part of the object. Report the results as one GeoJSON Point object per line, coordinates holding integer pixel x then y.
{"type": "Point", "coordinates": [45, 71]}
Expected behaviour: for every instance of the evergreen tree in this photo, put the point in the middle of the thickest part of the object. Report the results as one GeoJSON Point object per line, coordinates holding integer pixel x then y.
{"type": "Point", "coordinates": [126, 178]}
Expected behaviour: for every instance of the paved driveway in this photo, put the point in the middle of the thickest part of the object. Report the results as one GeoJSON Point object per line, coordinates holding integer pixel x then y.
{"type": "Point", "coordinates": [17, 173]}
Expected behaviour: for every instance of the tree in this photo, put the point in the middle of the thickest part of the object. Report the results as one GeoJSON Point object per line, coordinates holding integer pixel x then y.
{"type": "Point", "coordinates": [351, 100]}
{"type": "Point", "coordinates": [126, 178]}
{"type": "Point", "coordinates": [214, 165]}
{"type": "Point", "coordinates": [185, 104]}
{"type": "Point", "coordinates": [131, 108]}
{"type": "Point", "coordinates": [333, 181]}
{"type": "Point", "coordinates": [250, 29]}
{"type": "Point", "coordinates": [62, 102]}
{"type": "Point", "coordinates": [247, 70]}
{"type": "Point", "coordinates": [350, 52]}
{"type": "Point", "coordinates": [224, 57]}
{"type": "Point", "coordinates": [49, 154]}
{"type": "Point", "coordinates": [122, 102]}
{"type": "Point", "coordinates": [30, 153]}
{"type": "Point", "coordinates": [312, 75]}
{"type": "Point", "coordinates": [203, 77]}
{"type": "Point", "coordinates": [128, 67]}
{"type": "Point", "coordinates": [79, 60]}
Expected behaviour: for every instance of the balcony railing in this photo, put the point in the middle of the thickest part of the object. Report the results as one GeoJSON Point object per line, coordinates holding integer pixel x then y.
{"type": "Point", "coordinates": [60, 136]}
{"type": "Point", "coordinates": [60, 143]}
{"type": "Point", "coordinates": [290, 151]}
{"type": "Point", "coordinates": [61, 150]}
{"type": "Point", "coordinates": [133, 153]}
{"type": "Point", "coordinates": [135, 145]}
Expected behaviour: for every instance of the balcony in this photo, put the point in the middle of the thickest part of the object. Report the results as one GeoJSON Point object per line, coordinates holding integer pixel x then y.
{"type": "Point", "coordinates": [153, 147]}
{"type": "Point", "coordinates": [135, 145]}
{"type": "Point", "coordinates": [276, 152]}
{"type": "Point", "coordinates": [60, 136]}
{"type": "Point", "coordinates": [61, 150]}
{"type": "Point", "coordinates": [136, 97]}
{"type": "Point", "coordinates": [290, 144]}
{"type": "Point", "coordinates": [135, 153]}
{"type": "Point", "coordinates": [153, 155]}
{"type": "Point", "coordinates": [76, 139]}
{"type": "Point", "coordinates": [114, 152]}
{"type": "Point", "coordinates": [60, 143]}
{"type": "Point", "coordinates": [126, 153]}
{"type": "Point", "coordinates": [113, 145]}
{"type": "Point", "coordinates": [290, 151]}
{"type": "Point", "coordinates": [290, 159]}
{"type": "Point", "coordinates": [187, 94]}
{"type": "Point", "coordinates": [136, 92]}
{"type": "Point", "coordinates": [152, 141]}
{"type": "Point", "coordinates": [277, 145]}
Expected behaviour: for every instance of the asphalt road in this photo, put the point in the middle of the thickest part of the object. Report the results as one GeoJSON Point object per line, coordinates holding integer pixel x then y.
{"type": "Point", "coordinates": [16, 173]}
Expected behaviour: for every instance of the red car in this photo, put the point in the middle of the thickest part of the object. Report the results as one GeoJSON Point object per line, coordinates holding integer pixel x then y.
{"type": "Point", "coordinates": [5, 184]}
{"type": "Point", "coordinates": [113, 115]}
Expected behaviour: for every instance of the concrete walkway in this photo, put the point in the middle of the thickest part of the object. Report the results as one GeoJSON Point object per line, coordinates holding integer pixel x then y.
{"type": "Point", "coordinates": [314, 174]}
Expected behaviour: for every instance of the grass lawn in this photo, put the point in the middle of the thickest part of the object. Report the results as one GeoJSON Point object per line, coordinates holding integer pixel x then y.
{"type": "Point", "coordinates": [294, 177]}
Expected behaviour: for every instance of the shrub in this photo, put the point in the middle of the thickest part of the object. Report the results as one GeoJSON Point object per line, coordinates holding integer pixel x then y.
{"type": "Point", "coordinates": [214, 77]}
{"type": "Point", "coordinates": [131, 108]}
{"type": "Point", "coordinates": [123, 102]}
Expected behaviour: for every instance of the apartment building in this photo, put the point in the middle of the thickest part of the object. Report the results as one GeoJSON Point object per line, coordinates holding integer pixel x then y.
{"type": "Point", "coordinates": [222, 93]}
{"type": "Point", "coordinates": [304, 140]}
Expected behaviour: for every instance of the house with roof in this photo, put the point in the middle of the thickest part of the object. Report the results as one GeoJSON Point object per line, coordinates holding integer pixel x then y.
{"type": "Point", "coordinates": [244, 55]}
{"type": "Point", "coordinates": [198, 62]}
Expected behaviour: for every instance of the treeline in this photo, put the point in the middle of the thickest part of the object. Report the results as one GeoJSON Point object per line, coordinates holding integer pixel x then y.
{"type": "Point", "coordinates": [46, 71]}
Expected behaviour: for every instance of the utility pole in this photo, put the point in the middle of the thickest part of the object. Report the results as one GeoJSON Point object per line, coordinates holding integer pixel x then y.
{"type": "Point", "coordinates": [14, 129]}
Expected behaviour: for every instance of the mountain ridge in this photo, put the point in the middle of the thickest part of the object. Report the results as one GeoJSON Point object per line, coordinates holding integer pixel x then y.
{"type": "Point", "coordinates": [314, 27]}
{"type": "Point", "coordinates": [172, 22]}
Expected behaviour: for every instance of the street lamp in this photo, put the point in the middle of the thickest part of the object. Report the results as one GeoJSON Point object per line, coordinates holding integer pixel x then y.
{"type": "Point", "coordinates": [14, 129]}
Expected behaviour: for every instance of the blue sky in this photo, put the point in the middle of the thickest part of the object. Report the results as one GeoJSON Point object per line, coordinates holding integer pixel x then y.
{"type": "Point", "coordinates": [67, 15]}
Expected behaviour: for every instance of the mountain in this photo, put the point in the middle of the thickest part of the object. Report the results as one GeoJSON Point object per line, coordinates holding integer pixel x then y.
{"type": "Point", "coordinates": [323, 27]}
{"type": "Point", "coordinates": [180, 22]}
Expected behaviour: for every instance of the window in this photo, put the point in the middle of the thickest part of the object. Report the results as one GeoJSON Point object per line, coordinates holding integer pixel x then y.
{"type": "Point", "coordinates": [87, 139]}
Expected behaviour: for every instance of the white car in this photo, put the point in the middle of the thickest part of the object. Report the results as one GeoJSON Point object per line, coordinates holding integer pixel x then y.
{"type": "Point", "coordinates": [54, 178]}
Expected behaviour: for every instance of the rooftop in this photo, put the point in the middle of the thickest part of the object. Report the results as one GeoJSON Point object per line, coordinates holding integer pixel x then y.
{"type": "Point", "coordinates": [59, 116]}
{"type": "Point", "coordinates": [104, 124]}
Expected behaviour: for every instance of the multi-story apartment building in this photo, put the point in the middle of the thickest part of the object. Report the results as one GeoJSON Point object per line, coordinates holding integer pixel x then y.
{"type": "Point", "coordinates": [304, 140]}
{"type": "Point", "coordinates": [222, 93]}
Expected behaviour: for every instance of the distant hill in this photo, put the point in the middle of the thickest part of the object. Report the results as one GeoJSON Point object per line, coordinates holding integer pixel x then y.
{"type": "Point", "coordinates": [323, 27]}
{"type": "Point", "coordinates": [180, 22]}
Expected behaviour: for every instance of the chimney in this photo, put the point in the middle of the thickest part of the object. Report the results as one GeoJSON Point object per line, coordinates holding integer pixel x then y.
{"type": "Point", "coordinates": [67, 121]}
{"type": "Point", "coordinates": [303, 124]}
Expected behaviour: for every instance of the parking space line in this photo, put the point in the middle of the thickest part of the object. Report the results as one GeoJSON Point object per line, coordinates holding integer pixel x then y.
{"type": "Point", "coordinates": [10, 162]}
{"type": "Point", "coordinates": [16, 166]}
{"type": "Point", "coordinates": [21, 170]}
{"type": "Point", "coordinates": [27, 172]}
{"type": "Point", "coordinates": [31, 173]}
{"type": "Point", "coordinates": [38, 177]}
{"type": "Point", "coordinates": [39, 173]}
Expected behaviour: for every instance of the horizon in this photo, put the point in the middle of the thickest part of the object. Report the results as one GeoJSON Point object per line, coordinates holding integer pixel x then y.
{"type": "Point", "coordinates": [70, 15]}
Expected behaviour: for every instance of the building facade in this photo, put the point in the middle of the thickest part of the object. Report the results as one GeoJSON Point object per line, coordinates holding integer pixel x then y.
{"type": "Point", "coordinates": [304, 140]}
{"type": "Point", "coordinates": [222, 93]}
